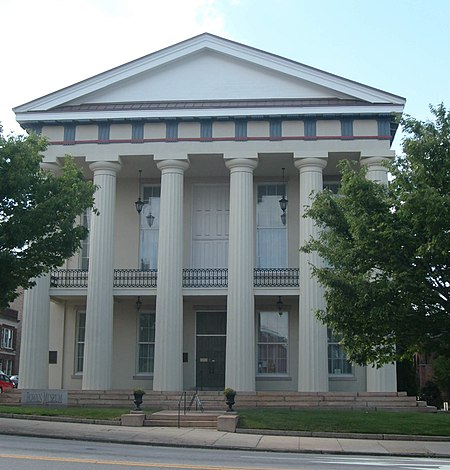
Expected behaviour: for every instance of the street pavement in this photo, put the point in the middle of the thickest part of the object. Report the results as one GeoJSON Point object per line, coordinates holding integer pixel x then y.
{"type": "Point", "coordinates": [207, 438]}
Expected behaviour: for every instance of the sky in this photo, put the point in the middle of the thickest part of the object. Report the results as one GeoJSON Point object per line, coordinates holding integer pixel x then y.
{"type": "Point", "coordinates": [399, 46]}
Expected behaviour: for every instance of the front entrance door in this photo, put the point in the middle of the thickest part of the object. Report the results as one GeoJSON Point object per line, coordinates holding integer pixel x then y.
{"type": "Point", "coordinates": [210, 350]}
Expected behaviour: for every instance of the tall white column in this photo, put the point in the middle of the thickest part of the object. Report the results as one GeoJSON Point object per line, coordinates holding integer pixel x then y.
{"type": "Point", "coordinates": [313, 355]}
{"type": "Point", "coordinates": [240, 347]}
{"type": "Point", "coordinates": [383, 379]}
{"type": "Point", "coordinates": [35, 335]}
{"type": "Point", "coordinates": [35, 326]}
{"type": "Point", "coordinates": [168, 371]}
{"type": "Point", "coordinates": [97, 367]}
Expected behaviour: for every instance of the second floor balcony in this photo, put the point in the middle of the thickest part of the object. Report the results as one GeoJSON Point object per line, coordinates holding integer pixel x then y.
{"type": "Point", "coordinates": [200, 278]}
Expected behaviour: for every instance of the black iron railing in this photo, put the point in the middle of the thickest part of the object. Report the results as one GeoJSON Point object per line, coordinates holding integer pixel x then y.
{"type": "Point", "coordinates": [205, 277]}
{"type": "Point", "coordinates": [192, 277]}
{"type": "Point", "coordinates": [135, 278]}
{"type": "Point", "coordinates": [69, 278]}
{"type": "Point", "coordinates": [276, 277]}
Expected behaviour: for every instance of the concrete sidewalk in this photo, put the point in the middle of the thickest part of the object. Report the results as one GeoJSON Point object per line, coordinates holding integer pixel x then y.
{"type": "Point", "coordinates": [206, 438]}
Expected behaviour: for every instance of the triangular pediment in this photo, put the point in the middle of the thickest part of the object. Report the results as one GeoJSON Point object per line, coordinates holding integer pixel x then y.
{"type": "Point", "coordinates": [208, 75]}
{"type": "Point", "coordinates": [208, 68]}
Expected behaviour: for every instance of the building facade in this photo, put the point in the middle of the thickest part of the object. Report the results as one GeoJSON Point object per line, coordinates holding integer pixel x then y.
{"type": "Point", "coordinates": [9, 340]}
{"type": "Point", "coordinates": [205, 287]}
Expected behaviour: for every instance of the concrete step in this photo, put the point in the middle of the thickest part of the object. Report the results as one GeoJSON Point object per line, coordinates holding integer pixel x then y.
{"type": "Point", "coordinates": [190, 419]}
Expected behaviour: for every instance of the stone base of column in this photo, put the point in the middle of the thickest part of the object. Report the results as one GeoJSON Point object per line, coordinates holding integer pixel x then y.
{"type": "Point", "coordinates": [383, 379]}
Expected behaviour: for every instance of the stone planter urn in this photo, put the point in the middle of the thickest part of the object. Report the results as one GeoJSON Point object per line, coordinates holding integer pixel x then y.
{"type": "Point", "coordinates": [230, 395]}
{"type": "Point", "coordinates": [138, 394]}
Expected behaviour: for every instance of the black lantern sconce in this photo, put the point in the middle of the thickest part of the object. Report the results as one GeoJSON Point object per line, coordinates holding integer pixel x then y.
{"type": "Point", "coordinates": [139, 203]}
{"type": "Point", "coordinates": [283, 202]}
{"type": "Point", "coordinates": [138, 303]}
{"type": "Point", "coordinates": [280, 306]}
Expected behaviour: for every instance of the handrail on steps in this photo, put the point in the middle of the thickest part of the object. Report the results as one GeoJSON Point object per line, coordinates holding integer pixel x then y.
{"type": "Point", "coordinates": [183, 399]}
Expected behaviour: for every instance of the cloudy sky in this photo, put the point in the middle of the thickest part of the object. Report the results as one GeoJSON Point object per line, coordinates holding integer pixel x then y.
{"type": "Point", "coordinates": [400, 46]}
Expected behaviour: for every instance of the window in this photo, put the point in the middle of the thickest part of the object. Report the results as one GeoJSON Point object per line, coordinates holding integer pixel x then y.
{"type": "Point", "coordinates": [206, 130]}
{"type": "Point", "coordinates": [146, 343]}
{"type": "Point", "coordinates": [79, 343]}
{"type": "Point", "coordinates": [69, 134]}
{"type": "Point", "coordinates": [271, 241]}
{"type": "Point", "coordinates": [240, 129]}
{"type": "Point", "coordinates": [332, 184]}
{"type": "Point", "coordinates": [8, 369]}
{"type": "Point", "coordinates": [172, 130]}
{"type": "Point", "coordinates": [310, 128]}
{"type": "Point", "coordinates": [275, 129]}
{"type": "Point", "coordinates": [347, 127]}
{"type": "Point", "coordinates": [150, 228]}
{"type": "Point", "coordinates": [7, 338]}
{"type": "Point", "coordinates": [137, 132]}
{"type": "Point", "coordinates": [84, 253]}
{"type": "Point", "coordinates": [103, 132]}
{"type": "Point", "coordinates": [338, 363]}
{"type": "Point", "coordinates": [273, 342]}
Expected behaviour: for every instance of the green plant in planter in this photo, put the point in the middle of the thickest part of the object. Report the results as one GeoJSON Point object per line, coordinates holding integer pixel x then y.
{"type": "Point", "coordinates": [228, 392]}
{"type": "Point", "coordinates": [138, 391]}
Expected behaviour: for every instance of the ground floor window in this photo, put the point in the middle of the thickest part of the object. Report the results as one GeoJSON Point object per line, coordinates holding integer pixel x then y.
{"type": "Point", "coordinates": [79, 342]}
{"type": "Point", "coordinates": [272, 337]}
{"type": "Point", "coordinates": [338, 363]}
{"type": "Point", "coordinates": [6, 366]}
{"type": "Point", "coordinates": [146, 343]}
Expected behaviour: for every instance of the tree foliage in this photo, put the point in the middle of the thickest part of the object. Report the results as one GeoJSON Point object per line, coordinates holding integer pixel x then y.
{"type": "Point", "coordinates": [387, 250]}
{"type": "Point", "coordinates": [38, 213]}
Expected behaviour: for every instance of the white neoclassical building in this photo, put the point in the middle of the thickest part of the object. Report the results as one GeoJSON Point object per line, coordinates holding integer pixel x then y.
{"type": "Point", "coordinates": [205, 287]}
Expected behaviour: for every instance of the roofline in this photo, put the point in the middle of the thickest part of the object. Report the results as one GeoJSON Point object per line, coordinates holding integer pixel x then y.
{"type": "Point", "coordinates": [178, 49]}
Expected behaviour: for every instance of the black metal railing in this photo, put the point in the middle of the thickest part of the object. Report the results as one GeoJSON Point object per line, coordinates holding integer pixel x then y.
{"type": "Point", "coordinates": [192, 277]}
{"type": "Point", "coordinates": [69, 278]}
{"type": "Point", "coordinates": [276, 277]}
{"type": "Point", "coordinates": [205, 277]}
{"type": "Point", "coordinates": [135, 278]}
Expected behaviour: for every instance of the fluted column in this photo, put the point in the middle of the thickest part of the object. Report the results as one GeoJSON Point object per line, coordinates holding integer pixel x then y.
{"type": "Point", "coordinates": [168, 371]}
{"type": "Point", "coordinates": [240, 347]}
{"type": "Point", "coordinates": [383, 379]}
{"type": "Point", "coordinates": [97, 367]}
{"type": "Point", "coordinates": [313, 350]}
{"type": "Point", "coordinates": [35, 335]}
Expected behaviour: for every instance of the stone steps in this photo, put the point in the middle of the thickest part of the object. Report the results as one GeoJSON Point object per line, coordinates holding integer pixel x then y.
{"type": "Point", "coordinates": [189, 420]}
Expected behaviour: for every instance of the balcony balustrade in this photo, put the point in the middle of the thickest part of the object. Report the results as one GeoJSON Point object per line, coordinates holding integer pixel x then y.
{"type": "Point", "coordinates": [192, 278]}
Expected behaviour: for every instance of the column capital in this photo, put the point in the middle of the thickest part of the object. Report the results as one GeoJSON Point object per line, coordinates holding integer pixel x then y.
{"type": "Point", "coordinates": [379, 161]}
{"type": "Point", "coordinates": [310, 163]}
{"type": "Point", "coordinates": [53, 167]}
{"type": "Point", "coordinates": [178, 166]}
{"type": "Point", "coordinates": [105, 167]}
{"type": "Point", "coordinates": [241, 163]}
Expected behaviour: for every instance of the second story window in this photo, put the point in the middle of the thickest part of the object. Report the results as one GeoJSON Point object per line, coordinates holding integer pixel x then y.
{"type": "Point", "coordinates": [271, 233]}
{"type": "Point", "coordinates": [7, 338]}
{"type": "Point", "coordinates": [150, 228]}
{"type": "Point", "coordinates": [84, 252]}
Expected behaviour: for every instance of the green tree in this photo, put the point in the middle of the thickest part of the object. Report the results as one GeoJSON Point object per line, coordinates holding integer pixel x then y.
{"type": "Point", "coordinates": [387, 250]}
{"type": "Point", "coordinates": [38, 213]}
{"type": "Point", "coordinates": [441, 369]}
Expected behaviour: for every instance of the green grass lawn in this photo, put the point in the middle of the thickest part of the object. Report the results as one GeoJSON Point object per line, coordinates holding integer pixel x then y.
{"type": "Point", "coordinates": [73, 412]}
{"type": "Point", "coordinates": [373, 422]}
